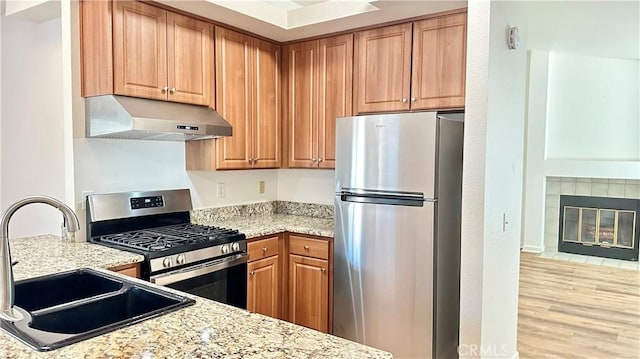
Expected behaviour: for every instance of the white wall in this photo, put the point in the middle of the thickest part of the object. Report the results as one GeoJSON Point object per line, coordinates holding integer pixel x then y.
{"type": "Point", "coordinates": [240, 187]}
{"type": "Point", "coordinates": [473, 178]}
{"type": "Point", "coordinates": [112, 165]}
{"type": "Point", "coordinates": [591, 28]}
{"type": "Point", "coordinates": [32, 143]}
{"type": "Point", "coordinates": [583, 112]}
{"type": "Point", "coordinates": [593, 108]}
{"type": "Point", "coordinates": [504, 177]}
{"type": "Point", "coordinates": [306, 185]}
{"type": "Point", "coordinates": [494, 142]}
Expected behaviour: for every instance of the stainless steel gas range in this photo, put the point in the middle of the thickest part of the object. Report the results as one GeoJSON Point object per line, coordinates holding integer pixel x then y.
{"type": "Point", "coordinates": [207, 261]}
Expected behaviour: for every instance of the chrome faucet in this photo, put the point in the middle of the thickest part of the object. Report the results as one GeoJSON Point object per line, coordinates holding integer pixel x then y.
{"type": "Point", "coordinates": [7, 285]}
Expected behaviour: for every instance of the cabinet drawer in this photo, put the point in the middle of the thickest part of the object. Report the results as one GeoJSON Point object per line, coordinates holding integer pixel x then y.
{"type": "Point", "coordinates": [262, 248]}
{"type": "Point", "coordinates": [131, 270]}
{"type": "Point", "coordinates": [317, 248]}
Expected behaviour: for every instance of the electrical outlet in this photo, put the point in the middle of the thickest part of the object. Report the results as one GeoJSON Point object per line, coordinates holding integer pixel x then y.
{"type": "Point", "coordinates": [220, 190]}
{"type": "Point", "coordinates": [84, 198]}
{"type": "Point", "coordinates": [261, 186]}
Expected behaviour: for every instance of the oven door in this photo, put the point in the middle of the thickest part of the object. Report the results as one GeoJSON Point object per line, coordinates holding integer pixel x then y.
{"type": "Point", "coordinates": [223, 280]}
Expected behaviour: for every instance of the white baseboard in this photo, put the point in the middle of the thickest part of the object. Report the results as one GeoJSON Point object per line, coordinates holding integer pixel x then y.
{"type": "Point", "coordinates": [533, 249]}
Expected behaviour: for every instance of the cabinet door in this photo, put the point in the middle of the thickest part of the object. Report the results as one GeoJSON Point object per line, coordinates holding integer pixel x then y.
{"type": "Point", "coordinates": [439, 58]}
{"type": "Point", "coordinates": [309, 292]}
{"type": "Point", "coordinates": [334, 93]}
{"type": "Point", "coordinates": [302, 60]}
{"type": "Point", "coordinates": [139, 50]}
{"type": "Point", "coordinates": [266, 105]}
{"type": "Point", "coordinates": [189, 59]}
{"type": "Point", "coordinates": [233, 97]}
{"type": "Point", "coordinates": [263, 291]}
{"type": "Point", "coordinates": [383, 68]}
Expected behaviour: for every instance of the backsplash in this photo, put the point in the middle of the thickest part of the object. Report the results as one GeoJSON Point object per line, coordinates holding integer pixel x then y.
{"type": "Point", "coordinates": [304, 209]}
{"type": "Point", "coordinates": [216, 214]}
{"type": "Point", "coordinates": [208, 215]}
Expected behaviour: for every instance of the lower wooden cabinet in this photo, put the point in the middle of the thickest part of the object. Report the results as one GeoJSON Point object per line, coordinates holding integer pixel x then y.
{"type": "Point", "coordinates": [131, 270]}
{"type": "Point", "coordinates": [289, 276]}
{"type": "Point", "coordinates": [264, 276]}
{"type": "Point", "coordinates": [309, 292]}
{"type": "Point", "coordinates": [263, 287]}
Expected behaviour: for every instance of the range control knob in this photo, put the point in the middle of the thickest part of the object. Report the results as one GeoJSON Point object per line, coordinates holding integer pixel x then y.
{"type": "Point", "coordinates": [166, 262]}
{"type": "Point", "coordinates": [224, 249]}
{"type": "Point", "coordinates": [235, 246]}
{"type": "Point", "coordinates": [180, 259]}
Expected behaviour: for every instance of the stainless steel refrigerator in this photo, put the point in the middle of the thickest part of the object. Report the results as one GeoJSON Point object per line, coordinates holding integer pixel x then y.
{"type": "Point", "coordinates": [397, 232]}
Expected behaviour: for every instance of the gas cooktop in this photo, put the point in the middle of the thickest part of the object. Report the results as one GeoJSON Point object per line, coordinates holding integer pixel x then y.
{"type": "Point", "coordinates": [188, 236]}
{"type": "Point", "coordinates": [157, 225]}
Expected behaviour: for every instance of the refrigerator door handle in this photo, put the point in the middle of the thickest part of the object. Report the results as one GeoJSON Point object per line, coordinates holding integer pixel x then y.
{"type": "Point", "coordinates": [383, 198]}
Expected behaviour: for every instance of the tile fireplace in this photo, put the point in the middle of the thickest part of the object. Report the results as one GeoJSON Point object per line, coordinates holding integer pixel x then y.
{"type": "Point", "coordinates": [599, 226]}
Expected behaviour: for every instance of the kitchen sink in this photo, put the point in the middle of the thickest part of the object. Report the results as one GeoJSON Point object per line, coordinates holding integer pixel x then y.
{"type": "Point", "coordinates": [69, 307]}
{"type": "Point", "coordinates": [45, 292]}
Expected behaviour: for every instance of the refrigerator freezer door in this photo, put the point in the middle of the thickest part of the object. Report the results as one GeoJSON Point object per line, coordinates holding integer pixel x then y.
{"type": "Point", "coordinates": [383, 276]}
{"type": "Point", "coordinates": [395, 152]}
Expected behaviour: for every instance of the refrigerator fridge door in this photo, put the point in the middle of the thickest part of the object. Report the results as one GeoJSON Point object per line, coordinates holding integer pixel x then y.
{"type": "Point", "coordinates": [383, 275]}
{"type": "Point", "coordinates": [395, 152]}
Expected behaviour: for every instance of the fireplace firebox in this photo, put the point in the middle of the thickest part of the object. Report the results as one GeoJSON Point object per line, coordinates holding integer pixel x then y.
{"type": "Point", "coordinates": [599, 226]}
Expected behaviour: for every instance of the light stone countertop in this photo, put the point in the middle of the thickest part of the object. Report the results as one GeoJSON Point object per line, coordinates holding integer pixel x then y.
{"type": "Point", "coordinates": [205, 330]}
{"type": "Point", "coordinates": [263, 225]}
{"type": "Point", "coordinates": [49, 254]}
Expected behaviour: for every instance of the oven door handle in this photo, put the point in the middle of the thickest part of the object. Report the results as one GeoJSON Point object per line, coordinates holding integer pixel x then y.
{"type": "Point", "coordinates": [201, 269]}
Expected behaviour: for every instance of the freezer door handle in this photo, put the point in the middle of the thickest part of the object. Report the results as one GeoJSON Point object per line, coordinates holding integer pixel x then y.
{"type": "Point", "coordinates": [382, 198]}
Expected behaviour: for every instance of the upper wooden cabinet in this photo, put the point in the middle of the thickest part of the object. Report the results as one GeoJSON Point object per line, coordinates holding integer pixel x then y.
{"type": "Point", "coordinates": [319, 90]}
{"type": "Point", "coordinates": [140, 50]}
{"type": "Point", "coordinates": [413, 66]}
{"type": "Point", "coordinates": [439, 58]}
{"type": "Point", "coordinates": [189, 60]}
{"type": "Point", "coordinates": [248, 96]}
{"type": "Point", "coordinates": [161, 55]}
{"type": "Point", "coordinates": [383, 68]}
{"type": "Point", "coordinates": [143, 51]}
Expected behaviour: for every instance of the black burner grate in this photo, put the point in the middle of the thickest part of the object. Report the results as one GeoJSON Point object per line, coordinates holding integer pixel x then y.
{"type": "Point", "coordinates": [174, 236]}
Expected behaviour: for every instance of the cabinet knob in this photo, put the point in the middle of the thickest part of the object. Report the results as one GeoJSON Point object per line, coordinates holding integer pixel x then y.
{"type": "Point", "coordinates": [265, 249]}
{"type": "Point", "coordinates": [314, 160]}
{"type": "Point", "coordinates": [173, 90]}
{"type": "Point", "coordinates": [322, 270]}
{"type": "Point", "coordinates": [250, 160]}
{"type": "Point", "coordinates": [404, 100]}
{"type": "Point", "coordinates": [413, 99]}
{"type": "Point", "coordinates": [306, 248]}
{"type": "Point", "coordinates": [252, 273]}
{"type": "Point", "coordinates": [165, 89]}
{"type": "Point", "coordinates": [319, 160]}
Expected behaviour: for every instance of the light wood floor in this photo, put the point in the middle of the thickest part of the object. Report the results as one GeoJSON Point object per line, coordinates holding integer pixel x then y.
{"type": "Point", "coordinates": [574, 310]}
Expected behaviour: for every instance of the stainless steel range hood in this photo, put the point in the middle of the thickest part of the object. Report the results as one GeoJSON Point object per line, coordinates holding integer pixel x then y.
{"type": "Point", "coordinates": [112, 116]}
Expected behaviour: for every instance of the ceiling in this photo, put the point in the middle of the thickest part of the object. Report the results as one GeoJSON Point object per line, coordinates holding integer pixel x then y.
{"type": "Point", "coordinates": [286, 20]}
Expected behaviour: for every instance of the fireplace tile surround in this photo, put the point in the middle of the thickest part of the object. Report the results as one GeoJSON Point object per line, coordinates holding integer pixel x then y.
{"type": "Point", "coordinates": [598, 187]}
